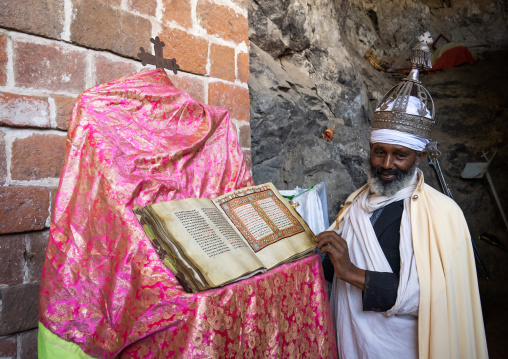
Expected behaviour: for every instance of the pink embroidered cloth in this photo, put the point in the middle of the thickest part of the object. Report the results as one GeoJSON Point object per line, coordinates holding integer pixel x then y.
{"type": "Point", "coordinates": [139, 140]}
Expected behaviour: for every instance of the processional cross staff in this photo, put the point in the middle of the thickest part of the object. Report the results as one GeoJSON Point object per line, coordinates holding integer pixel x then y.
{"type": "Point", "coordinates": [158, 59]}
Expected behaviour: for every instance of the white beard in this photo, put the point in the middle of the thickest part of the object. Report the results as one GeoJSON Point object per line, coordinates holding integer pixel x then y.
{"type": "Point", "coordinates": [388, 189]}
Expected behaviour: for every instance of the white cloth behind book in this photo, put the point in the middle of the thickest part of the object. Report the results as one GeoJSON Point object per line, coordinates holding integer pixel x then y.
{"type": "Point", "coordinates": [312, 206]}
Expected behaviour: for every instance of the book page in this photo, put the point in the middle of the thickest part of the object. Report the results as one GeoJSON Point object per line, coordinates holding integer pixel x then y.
{"type": "Point", "coordinates": [208, 239]}
{"type": "Point", "coordinates": [272, 228]}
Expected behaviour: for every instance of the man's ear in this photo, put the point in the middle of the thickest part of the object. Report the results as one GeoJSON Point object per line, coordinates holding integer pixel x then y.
{"type": "Point", "coordinates": [420, 157]}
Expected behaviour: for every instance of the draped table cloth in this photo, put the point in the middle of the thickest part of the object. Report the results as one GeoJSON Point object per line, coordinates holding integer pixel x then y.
{"type": "Point", "coordinates": [135, 141]}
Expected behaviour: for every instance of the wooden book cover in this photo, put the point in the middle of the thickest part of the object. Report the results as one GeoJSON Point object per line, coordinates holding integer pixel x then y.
{"type": "Point", "coordinates": [208, 243]}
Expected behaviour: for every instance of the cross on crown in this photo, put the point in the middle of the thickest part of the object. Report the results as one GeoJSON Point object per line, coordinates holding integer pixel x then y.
{"type": "Point", "coordinates": [426, 38]}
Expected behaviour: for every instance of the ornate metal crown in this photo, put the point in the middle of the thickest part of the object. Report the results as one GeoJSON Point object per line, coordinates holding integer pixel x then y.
{"type": "Point", "coordinates": [408, 106]}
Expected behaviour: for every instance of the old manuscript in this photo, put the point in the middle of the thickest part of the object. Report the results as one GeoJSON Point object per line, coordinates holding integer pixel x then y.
{"type": "Point", "coordinates": [208, 243]}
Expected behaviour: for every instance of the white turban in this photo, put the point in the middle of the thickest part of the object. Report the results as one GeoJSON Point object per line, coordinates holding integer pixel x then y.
{"type": "Point", "coordinates": [395, 137]}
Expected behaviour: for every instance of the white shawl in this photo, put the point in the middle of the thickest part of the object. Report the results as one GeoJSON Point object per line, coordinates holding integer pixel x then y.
{"type": "Point", "coordinates": [391, 334]}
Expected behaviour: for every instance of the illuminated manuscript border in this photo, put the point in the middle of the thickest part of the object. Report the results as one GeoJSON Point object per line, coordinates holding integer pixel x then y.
{"type": "Point", "coordinates": [250, 197]}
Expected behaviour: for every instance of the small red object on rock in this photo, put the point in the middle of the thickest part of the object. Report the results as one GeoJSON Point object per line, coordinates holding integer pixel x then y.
{"type": "Point", "coordinates": [328, 134]}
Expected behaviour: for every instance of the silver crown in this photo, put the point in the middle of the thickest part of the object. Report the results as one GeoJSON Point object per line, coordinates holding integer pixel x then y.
{"type": "Point", "coordinates": [408, 107]}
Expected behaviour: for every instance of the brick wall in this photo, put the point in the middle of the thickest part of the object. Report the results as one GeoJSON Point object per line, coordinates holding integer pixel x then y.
{"type": "Point", "coordinates": [50, 51]}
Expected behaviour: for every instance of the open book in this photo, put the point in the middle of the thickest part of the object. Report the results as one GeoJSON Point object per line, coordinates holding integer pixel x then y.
{"type": "Point", "coordinates": [208, 243]}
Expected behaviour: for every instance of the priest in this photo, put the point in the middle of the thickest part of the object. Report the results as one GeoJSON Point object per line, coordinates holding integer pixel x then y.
{"type": "Point", "coordinates": [405, 282]}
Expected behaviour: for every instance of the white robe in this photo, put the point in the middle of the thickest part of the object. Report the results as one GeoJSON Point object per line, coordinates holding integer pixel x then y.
{"type": "Point", "coordinates": [367, 334]}
{"type": "Point", "coordinates": [450, 323]}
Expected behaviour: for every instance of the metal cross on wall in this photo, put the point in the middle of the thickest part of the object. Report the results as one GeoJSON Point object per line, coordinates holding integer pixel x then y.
{"type": "Point", "coordinates": [158, 60]}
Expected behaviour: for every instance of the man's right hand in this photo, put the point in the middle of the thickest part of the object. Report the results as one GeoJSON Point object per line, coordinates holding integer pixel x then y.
{"type": "Point", "coordinates": [337, 249]}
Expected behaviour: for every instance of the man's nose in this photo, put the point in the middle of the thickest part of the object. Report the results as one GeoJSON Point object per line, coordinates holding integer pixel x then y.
{"type": "Point", "coordinates": [387, 162]}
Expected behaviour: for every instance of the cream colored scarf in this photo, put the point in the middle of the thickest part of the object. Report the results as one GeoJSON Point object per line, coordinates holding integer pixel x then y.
{"type": "Point", "coordinates": [372, 334]}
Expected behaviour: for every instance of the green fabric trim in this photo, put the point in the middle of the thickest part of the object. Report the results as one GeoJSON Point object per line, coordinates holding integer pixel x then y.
{"type": "Point", "coordinates": [51, 346]}
{"type": "Point", "coordinates": [289, 198]}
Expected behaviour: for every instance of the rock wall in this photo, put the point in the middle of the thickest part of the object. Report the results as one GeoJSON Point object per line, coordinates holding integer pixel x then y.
{"type": "Point", "coordinates": [309, 73]}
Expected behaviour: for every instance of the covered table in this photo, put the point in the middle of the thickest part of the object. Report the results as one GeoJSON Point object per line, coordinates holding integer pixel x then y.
{"type": "Point", "coordinates": [105, 292]}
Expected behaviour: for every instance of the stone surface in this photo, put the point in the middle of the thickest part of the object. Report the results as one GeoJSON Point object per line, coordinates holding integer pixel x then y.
{"type": "Point", "coordinates": [231, 97]}
{"type": "Point", "coordinates": [49, 67]}
{"type": "Point", "coordinates": [3, 159]}
{"type": "Point", "coordinates": [9, 347]}
{"type": "Point", "coordinates": [222, 62]}
{"type": "Point", "coordinates": [38, 156]}
{"type": "Point", "coordinates": [222, 21]}
{"type": "Point", "coordinates": [248, 158]}
{"type": "Point", "coordinates": [12, 257]}
{"type": "Point", "coordinates": [103, 27]}
{"type": "Point", "coordinates": [3, 59]}
{"type": "Point", "coordinates": [19, 308]}
{"type": "Point", "coordinates": [146, 7]}
{"type": "Point", "coordinates": [482, 24]}
{"type": "Point", "coordinates": [191, 52]}
{"type": "Point", "coordinates": [28, 344]}
{"type": "Point", "coordinates": [36, 253]}
{"type": "Point", "coordinates": [52, 193]}
{"type": "Point", "coordinates": [23, 209]}
{"type": "Point", "coordinates": [108, 69]}
{"type": "Point", "coordinates": [63, 106]}
{"type": "Point", "coordinates": [192, 85]}
{"type": "Point", "coordinates": [244, 136]}
{"type": "Point", "coordinates": [41, 17]}
{"type": "Point", "coordinates": [244, 4]}
{"type": "Point", "coordinates": [303, 82]}
{"type": "Point", "coordinates": [242, 65]}
{"type": "Point", "coordinates": [178, 11]}
{"type": "Point", "coordinates": [24, 111]}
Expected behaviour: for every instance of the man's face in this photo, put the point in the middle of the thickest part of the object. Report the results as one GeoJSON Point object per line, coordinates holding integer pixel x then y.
{"type": "Point", "coordinates": [391, 167]}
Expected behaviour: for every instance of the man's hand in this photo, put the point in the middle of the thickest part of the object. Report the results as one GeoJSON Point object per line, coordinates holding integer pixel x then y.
{"type": "Point", "coordinates": [336, 248]}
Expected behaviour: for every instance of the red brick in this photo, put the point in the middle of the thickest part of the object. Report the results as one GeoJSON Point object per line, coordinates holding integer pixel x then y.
{"type": "Point", "coordinates": [12, 257]}
{"type": "Point", "coordinates": [233, 98]}
{"type": "Point", "coordinates": [116, 3]}
{"type": "Point", "coordinates": [19, 308]}
{"type": "Point", "coordinates": [64, 106]}
{"type": "Point", "coordinates": [38, 156]}
{"type": "Point", "coordinates": [41, 17]}
{"type": "Point", "coordinates": [51, 67]}
{"type": "Point", "coordinates": [107, 69]}
{"type": "Point", "coordinates": [36, 253]}
{"type": "Point", "coordinates": [28, 344]}
{"type": "Point", "coordinates": [178, 11]}
{"type": "Point", "coordinates": [3, 60]}
{"type": "Point", "coordinates": [3, 159]}
{"type": "Point", "coordinates": [146, 7]}
{"type": "Point", "coordinates": [191, 85]}
{"type": "Point", "coordinates": [23, 209]}
{"type": "Point", "coordinates": [244, 136]}
{"type": "Point", "coordinates": [24, 111]}
{"type": "Point", "coordinates": [222, 21]}
{"type": "Point", "coordinates": [222, 59]}
{"type": "Point", "coordinates": [190, 52]}
{"type": "Point", "coordinates": [9, 347]}
{"type": "Point", "coordinates": [102, 27]}
{"type": "Point", "coordinates": [243, 66]}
